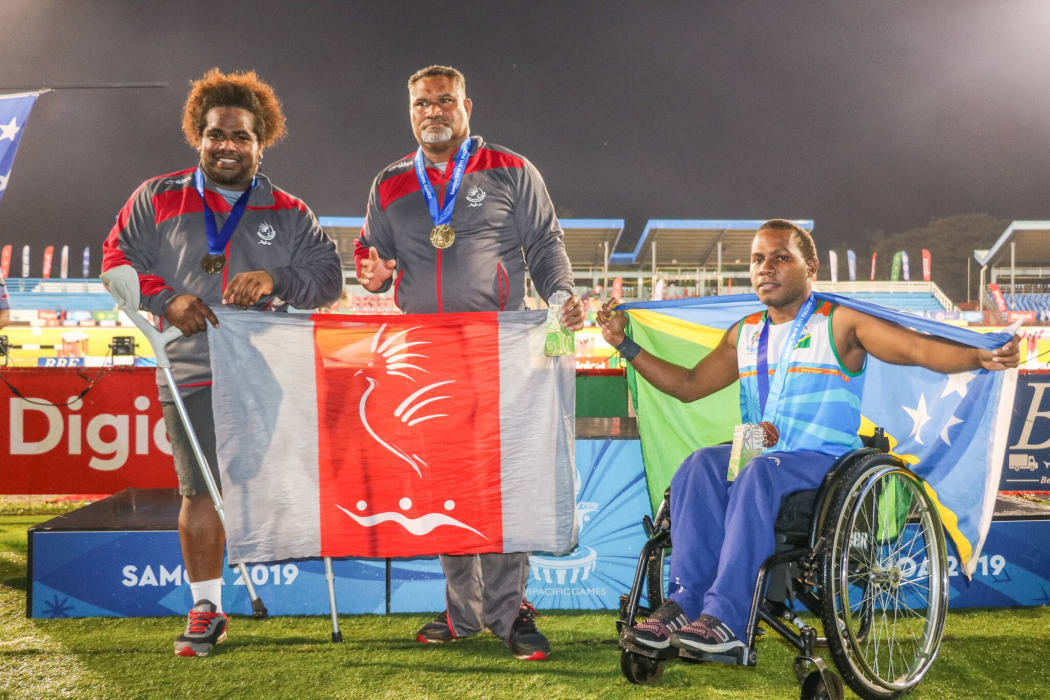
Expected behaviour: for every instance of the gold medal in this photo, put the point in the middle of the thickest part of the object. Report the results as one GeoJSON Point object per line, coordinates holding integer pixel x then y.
{"type": "Point", "coordinates": [442, 236]}
{"type": "Point", "coordinates": [213, 264]}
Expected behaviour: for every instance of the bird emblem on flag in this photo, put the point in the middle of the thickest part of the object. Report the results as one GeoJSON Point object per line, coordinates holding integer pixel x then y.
{"type": "Point", "coordinates": [404, 400]}
{"type": "Point", "coordinates": [391, 355]}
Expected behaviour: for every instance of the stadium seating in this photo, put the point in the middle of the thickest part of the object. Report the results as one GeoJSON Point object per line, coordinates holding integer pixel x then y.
{"type": "Point", "coordinates": [1039, 303]}
{"type": "Point", "coordinates": [57, 301]}
{"type": "Point", "coordinates": [35, 294]}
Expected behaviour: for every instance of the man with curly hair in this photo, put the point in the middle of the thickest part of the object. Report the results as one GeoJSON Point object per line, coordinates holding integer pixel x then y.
{"type": "Point", "coordinates": [469, 253]}
{"type": "Point", "coordinates": [217, 233]}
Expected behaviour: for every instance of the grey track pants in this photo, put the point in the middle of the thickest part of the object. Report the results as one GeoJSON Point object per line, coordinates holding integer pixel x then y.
{"type": "Point", "coordinates": [484, 590]}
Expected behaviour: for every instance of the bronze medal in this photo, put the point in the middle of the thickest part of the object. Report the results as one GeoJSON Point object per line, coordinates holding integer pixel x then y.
{"type": "Point", "coordinates": [213, 264]}
{"type": "Point", "coordinates": [770, 434]}
{"type": "Point", "coordinates": [442, 236]}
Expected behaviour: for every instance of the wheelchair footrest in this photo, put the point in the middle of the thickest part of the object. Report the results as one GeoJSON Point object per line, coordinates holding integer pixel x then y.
{"type": "Point", "coordinates": [741, 656]}
{"type": "Point", "coordinates": [668, 652]}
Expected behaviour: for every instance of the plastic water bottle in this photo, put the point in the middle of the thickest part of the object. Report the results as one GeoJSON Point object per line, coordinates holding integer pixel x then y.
{"type": "Point", "coordinates": [560, 340]}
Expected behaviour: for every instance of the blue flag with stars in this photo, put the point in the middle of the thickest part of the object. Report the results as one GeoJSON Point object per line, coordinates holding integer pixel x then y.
{"type": "Point", "coordinates": [950, 429]}
{"type": "Point", "coordinates": [14, 113]}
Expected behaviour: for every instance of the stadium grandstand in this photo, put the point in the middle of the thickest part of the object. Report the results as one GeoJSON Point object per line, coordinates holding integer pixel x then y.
{"type": "Point", "coordinates": [670, 258]}
{"type": "Point", "coordinates": [66, 295]}
{"type": "Point", "coordinates": [1015, 272]}
{"type": "Point", "coordinates": [700, 257]}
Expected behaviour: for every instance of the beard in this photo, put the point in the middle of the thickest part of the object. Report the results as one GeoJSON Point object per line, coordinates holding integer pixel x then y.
{"type": "Point", "coordinates": [440, 135]}
{"type": "Point", "coordinates": [226, 177]}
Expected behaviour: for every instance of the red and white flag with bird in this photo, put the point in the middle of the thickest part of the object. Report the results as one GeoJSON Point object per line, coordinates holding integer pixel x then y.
{"type": "Point", "coordinates": [391, 436]}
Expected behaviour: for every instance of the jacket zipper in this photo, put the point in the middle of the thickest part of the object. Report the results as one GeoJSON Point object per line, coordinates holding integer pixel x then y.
{"type": "Point", "coordinates": [504, 285]}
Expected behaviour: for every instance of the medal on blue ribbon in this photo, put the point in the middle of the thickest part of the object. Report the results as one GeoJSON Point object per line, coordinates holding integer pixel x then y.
{"type": "Point", "coordinates": [769, 394]}
{"type": "Point", "coordinates": [442, 235]}
{"type": "Point", "coordinates": [214, 262]}
{"type": "Point", "coordinates": [751, 440]}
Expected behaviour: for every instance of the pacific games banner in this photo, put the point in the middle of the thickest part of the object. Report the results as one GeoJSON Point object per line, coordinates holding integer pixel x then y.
{"type": "Point", "coordinates": [386, 436]}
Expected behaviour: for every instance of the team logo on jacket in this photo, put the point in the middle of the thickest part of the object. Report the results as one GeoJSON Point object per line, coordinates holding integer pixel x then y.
{"type": "Point", "coordinates": [475, 195]}
{"type": "Point", "coordinates": [266, 233]}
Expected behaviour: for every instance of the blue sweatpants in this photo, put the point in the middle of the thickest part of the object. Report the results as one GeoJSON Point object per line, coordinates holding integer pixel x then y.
{"type": "Point", "coordinates": [722, 531]}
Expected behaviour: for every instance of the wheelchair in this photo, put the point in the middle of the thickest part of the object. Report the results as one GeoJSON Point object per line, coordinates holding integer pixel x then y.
{"type": "Point", "coordinates": [864, 553]}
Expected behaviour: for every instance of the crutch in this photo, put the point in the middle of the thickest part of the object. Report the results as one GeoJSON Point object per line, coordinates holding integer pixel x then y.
{"type": "Point", "coordinates": [123, 283]}
{"type": "Point", "coordinates": [337, 636]}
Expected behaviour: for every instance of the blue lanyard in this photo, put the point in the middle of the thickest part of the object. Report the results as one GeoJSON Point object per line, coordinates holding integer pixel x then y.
{"type": "Point", "coordinates": [445, 215]}
{"type": "Point", "coordinates": [769, 396]}
{"type": "Point", "coordinates": [217, 240]}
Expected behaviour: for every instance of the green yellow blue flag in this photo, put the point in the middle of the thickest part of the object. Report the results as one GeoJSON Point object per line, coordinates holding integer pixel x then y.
{"type": "Point", "coordinates": [950, 429]}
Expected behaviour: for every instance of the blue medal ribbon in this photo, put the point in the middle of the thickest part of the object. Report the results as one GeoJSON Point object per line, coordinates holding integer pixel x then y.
{"type": "Point", "coordinates": [445, 214]}
{"type": "Point", "coordinates": [769, 395]}
{"type": "Point", "coordinates": [217, 240]}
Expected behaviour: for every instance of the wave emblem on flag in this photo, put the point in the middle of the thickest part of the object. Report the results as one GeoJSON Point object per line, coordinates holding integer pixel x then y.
{"type": "Point", "coordinates": [392, 436]}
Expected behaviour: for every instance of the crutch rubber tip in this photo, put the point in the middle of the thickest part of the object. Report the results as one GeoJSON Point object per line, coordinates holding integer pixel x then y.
{"type": "Point", "coordinates": [258, 609]}
{"type": "Point", "coordinates": [337, 636]}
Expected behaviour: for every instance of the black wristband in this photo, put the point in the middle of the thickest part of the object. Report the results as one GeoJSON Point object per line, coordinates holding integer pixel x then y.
{"type": "Point", "coordinates": [628, 348]}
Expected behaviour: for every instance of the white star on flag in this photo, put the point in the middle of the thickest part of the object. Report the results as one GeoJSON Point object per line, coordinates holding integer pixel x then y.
{"type": "Point", "coordinates": [944, 433]}
{"type": "Point", "coordinates": [957, 383]}
{"type": "Point", "coordinates": [3, 181]}
{"type": "Point", "coordinates": [8, 131]}
{"type": "Point", "coordinates": [919, 418]}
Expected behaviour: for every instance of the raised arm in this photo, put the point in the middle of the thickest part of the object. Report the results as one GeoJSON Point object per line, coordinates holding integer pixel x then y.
{"type": "Point", "coordinates": [714, 372]}
{"type": "Point", "coordinates": [375, 255]}
{"type": "Point", "coordinates": [857, 333]}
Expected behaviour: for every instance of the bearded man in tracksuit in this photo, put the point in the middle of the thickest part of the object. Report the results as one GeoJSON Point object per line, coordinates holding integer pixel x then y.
{"type": "Point", "coordinates": [219, 233]}
{"type": "Point", "coordinates": [452, 228]}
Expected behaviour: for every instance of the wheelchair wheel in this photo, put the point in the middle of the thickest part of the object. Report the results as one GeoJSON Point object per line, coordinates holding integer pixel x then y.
{"type": "Point", "coordinates": [818, 686]}
{"type": "Point", "coordinates": [655, 583]}
{"type": "Point", "coordinates": [885, 578]}
{"type": "Point", "coordinates": [640, 670]}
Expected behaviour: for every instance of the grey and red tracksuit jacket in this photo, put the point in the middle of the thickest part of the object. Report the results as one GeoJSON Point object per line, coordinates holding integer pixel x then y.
{"type": "Point", "coordinates": [160, 232]}
{"type": "Point", "coordinates": [503, 219]}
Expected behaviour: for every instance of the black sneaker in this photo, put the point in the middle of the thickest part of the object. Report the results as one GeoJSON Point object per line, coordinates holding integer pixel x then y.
{"type": "Point", "coordinates": [204, 629]}
{"type": "Point", "coordinates": [436, 631]}
{"type": "Point", "coordinates": [527, 642]}
{"type": "Point", "coordinates": [707, 634]}
{"type": "Point", "coordinates": [655, 631]}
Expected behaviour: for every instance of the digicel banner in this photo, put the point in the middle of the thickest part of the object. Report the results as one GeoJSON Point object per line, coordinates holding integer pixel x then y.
{"type": "Point", "coordinates": [111, 439]}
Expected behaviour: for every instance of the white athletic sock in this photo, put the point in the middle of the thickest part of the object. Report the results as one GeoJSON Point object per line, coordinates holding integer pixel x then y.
{"type": "Point", "coordinates": [208, 590]}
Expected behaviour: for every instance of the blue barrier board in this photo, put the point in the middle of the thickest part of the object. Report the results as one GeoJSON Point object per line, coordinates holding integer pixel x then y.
{"type": "Point", "coordinates": [140, 574]}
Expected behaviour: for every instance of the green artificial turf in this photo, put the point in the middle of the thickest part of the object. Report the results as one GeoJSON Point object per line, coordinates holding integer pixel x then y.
{"type": "Point", "coordinates": [985, 654]}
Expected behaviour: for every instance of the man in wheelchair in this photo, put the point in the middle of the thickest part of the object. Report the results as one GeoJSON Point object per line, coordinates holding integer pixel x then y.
{"type": "Point", "coordinates": [725, 499]}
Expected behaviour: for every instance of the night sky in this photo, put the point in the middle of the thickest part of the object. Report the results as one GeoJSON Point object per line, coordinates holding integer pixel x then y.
{"type": "Point", "coordinates": [859, 115]}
